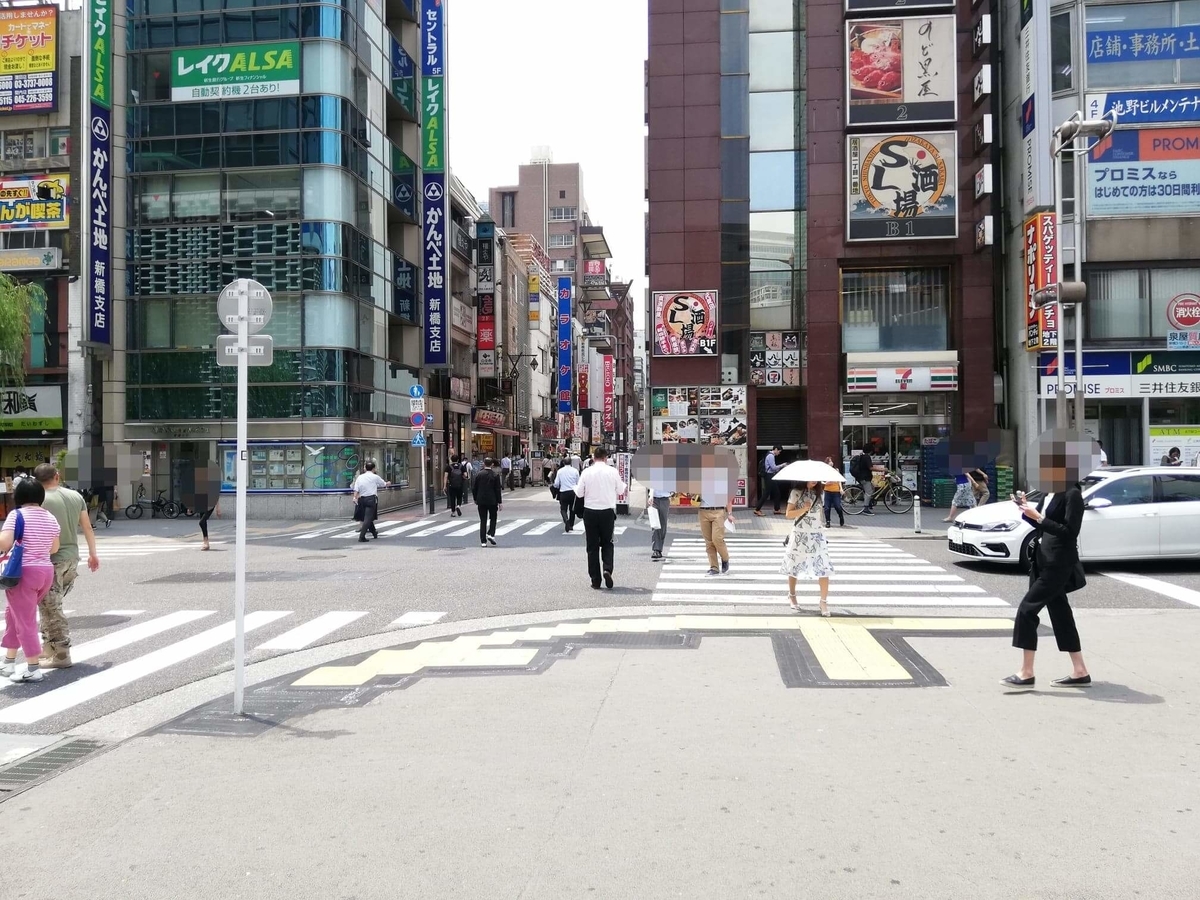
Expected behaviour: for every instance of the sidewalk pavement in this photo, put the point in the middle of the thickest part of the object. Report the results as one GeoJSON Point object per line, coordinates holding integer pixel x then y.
{"type": "Point", "coordinates": [669, 761]}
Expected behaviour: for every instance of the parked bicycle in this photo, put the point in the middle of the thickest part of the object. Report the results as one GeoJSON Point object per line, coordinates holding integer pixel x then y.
{"type": "Point", "coordinates": [892, 494]}
{"type": "Point", "coordinates": [168, 508]}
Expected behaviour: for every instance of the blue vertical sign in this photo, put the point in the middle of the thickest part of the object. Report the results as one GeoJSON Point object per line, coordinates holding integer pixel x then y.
{"type": "Point", "coordinates": [565, 371]}
{"type": "Point", "coordinates": [434, 227]}
{"type": "Point", "coordinates": [96, 231]}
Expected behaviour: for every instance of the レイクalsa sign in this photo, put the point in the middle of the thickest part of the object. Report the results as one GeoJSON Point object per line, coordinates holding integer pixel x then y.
{"type": "Point", "coordinates": [1041, 271]}
{"type": "Point", "coordinates": [97, 224]}
{"type": "Point", "coordinates": [436, 211]}
{"type": "Point", "coordinates": [240, 70]}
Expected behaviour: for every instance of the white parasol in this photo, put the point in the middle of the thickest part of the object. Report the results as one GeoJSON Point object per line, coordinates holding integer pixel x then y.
{"type": "Point", "coordinates": [805, 470]}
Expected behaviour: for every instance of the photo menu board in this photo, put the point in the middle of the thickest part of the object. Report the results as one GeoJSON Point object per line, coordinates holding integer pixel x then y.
{"type": "Point", "coordinates": [716, 416]}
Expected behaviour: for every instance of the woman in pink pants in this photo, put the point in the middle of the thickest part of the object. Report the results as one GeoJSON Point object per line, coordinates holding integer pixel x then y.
{"type": "Point", "coordinates": [40, 540]}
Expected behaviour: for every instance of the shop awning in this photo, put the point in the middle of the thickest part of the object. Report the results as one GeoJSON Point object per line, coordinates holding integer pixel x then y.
{"type": "Point", "coordinates": [505, 431]}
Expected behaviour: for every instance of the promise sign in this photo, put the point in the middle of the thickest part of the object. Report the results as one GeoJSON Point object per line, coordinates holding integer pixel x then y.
{"type": "Point", "coordinates": [240, 70]}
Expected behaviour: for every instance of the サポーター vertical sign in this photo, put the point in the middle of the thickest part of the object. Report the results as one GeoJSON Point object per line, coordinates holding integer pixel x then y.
{"type": "Point", "coordinates": [96, 227]}
{"type": "Point", "coordinates": [564, 345]}
{"type": "Point", "coordinates": [28, 59]}
{"type": "Point", "coordinates": [436, 206]}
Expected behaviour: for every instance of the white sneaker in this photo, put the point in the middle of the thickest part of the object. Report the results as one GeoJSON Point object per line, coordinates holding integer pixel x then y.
{"type": "Point", "coordinates": [7, 669]}
{"type": "Point", "coordinates": [27, 675]}
{"type": "Point", "coordinates": [491, 540]}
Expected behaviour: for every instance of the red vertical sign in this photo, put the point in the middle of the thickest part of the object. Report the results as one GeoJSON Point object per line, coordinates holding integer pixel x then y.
{"type": "Point", "coordinates": [610, 421]}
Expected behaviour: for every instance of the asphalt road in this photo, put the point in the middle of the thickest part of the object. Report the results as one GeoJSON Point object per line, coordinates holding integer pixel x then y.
{"type": "Point", "coordinates": [159, 613]}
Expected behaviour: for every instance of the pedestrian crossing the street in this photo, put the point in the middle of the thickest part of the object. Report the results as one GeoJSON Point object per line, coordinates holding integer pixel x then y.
{"type": "Point", "coordinates": [145, 644]}
{"type": "Point", "coordinates": [867, 573]}
{"type": "Point", "coordinates": [442, 526]}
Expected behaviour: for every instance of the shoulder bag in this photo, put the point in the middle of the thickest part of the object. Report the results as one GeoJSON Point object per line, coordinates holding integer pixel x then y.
{"type": "Point", "coordinates": [10, 574]}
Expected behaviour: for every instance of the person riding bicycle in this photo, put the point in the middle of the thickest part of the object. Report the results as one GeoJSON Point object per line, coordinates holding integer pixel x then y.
{"type": "Point", "coordinates": [861, 471]}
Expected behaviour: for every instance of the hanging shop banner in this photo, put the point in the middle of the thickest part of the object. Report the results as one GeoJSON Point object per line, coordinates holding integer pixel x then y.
{"type": "Point", "coordinates": [485, 299]}
{"type": "Point", "coordinates": [535, 298]}
{"type": "Point", "coordinates": [1146, 107]}
{"type": "Point", "coordinates": [584, 386]}
{"type": "Point", "coordinates": [35, 201]}
{"type": "Point", "coordinates": [1041, 270]}
{"type": "Point", "coordinates": [433, 68]}
{"type": "Point", "coordinates": [860, 6]}
{"type": "Point", "coordinates": [776, 358]}
{"type": "Point", "coordinates": [1036, 177]}
{"type": "Point", "coordinates": [902, 187]}
{"type": "Point", "coordinates": [31, 409]}
{"type": "Point", "coordinates": [97, 224]}
{"type": "Point", "coordinates": [1183, 315]}
{"type": "Point", "coordinates": [28, 59]}
{"type": "Point", "coordinates": [593, 273]}
{"type": "Point", "coordinates": [609, 399]}
{"type": "Point", "coordinates": [901, 70]}
{"type": "Point", "coordinates": [891, 380]}
{"type": "Point", "coordinates": [1145, 172]}
{"type": "Point", "coordinates": [565, 372]}
{"type": "Point", "coordinates": [685, 323]}
{"type": "Point", "coordinates": [434, 234]}
{"type": "Point", "coordinates": [1134, 45]}
{"type": "Point", "coordinates": [485, 334]}
{"type": "Point", "coordinates": [235, 72]}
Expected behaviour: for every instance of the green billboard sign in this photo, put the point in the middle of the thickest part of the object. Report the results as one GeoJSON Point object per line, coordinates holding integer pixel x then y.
{"type": "Point", "coordinates": [239, 70]}
{"type": "Point", "coordinates": [433, 134]}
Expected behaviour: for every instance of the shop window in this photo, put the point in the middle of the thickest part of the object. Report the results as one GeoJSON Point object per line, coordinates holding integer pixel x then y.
{"type": "Point", "coordinates": [1128, 304]}
{"type": "Point", "coordinates": [1062, 56]}
{"type": "Point", "coordinates": [902, 309]}
{"type": "Point", "coordinates": [60, 141]}
{"type": "Point", "coordinates": [20, 145]}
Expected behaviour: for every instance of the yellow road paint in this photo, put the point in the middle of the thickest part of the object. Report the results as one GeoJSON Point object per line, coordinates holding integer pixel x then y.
{"type": "Point", "coordinates": [844, 647]}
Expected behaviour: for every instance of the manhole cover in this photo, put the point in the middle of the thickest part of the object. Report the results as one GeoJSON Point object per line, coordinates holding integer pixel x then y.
{"type": "Point", "coordinates": [326, 556]}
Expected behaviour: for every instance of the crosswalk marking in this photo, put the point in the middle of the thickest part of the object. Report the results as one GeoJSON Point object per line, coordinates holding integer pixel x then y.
{"type": "Point", "coordinates": [1158, 586]}
{"type": "Point", "coordinates": [504, 529]}
{"type": "Point", "coordinates": [319, 532]}
{"type": "Point", "coordinates": [311, 631]}
{"type": "Point", "coordinates": [808, 599]}
{"type": "Point", "coordinates": [435, 529]}
{"type": "Point", "coordinates": [542, 529]}
{"type": "Point", "coordinates": [408, 527]}
{"type": "Point", "coordinates": [134, 633]}
{"type": "Point", "coordinates": [121, 612]}
{"type": "Point", "coordinates": [473, 528]}
{"type": "Point", "coordinates": [27, 712]}
{"type": "Point", "coordinates": [415, 618]}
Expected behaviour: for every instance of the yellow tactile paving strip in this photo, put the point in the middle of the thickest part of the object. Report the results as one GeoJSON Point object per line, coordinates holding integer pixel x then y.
{"type": "Point", "coordinates": [846, 649]}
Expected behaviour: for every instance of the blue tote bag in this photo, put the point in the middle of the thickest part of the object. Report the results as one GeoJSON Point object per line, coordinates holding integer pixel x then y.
{"type": "Point", "coordinates": [10, 575]}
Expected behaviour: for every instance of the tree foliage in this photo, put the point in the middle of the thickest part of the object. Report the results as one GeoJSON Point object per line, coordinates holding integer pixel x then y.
{"type": "Point", "coordinates": [18, 303]}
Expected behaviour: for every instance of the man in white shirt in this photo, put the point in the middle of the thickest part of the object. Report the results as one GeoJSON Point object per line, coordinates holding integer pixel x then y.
{"type": "Point", "coordinates": [599, 486]}
{"type": "Point", "coordinates": [366, 490]}
{"type": "Point", "coordinates": [565, 481]}
{"type": "Point", "coordinates": [506, 472]}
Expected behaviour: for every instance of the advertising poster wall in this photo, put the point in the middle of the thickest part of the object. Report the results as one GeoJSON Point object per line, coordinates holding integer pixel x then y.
{"type": "Point", "coordinates": [685, 323]}
{"type": "Point", "coordinates": [902, 187]}
{"type": "Point", "coordinates": [718, 416]}
{"type": "Point", "coordinates": [776, 358]}
{"type": "Point", "coordinates": [901, 70]}
{"type": "Point", "coordinates": [29, 59]}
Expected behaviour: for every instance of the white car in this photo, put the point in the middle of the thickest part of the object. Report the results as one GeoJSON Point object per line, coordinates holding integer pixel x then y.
{"type": "Point", "coordinates": [1133, 512]}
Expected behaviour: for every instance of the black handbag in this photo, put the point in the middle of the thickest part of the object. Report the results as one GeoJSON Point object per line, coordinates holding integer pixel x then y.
{"type": "Point", "coordinates": [554, 492]}
{"type": "Point", "coordinates": [1076, 580]}
{"type": "Point", "coordinates": [579, 505]}
{"type": "Point", "coordinates": [359, 513]}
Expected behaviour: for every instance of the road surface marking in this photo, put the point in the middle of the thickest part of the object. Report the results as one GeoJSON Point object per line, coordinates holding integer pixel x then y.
{"type": "Point", "coordinates": [808, 599]}
{"type": "Point", "coordinates": [511, 526]}
{"type": "Point", "coordinates": [543, 528]}
{"type": "Point", "coordinates": [1174, 591]}
{"type": "Point", "coordinates": [303, 635]}
{"type": "Point", "coordinates": [27, 712]}
{"type": "Point", "coordinates": [416, 617]}
{"type": "Point", "coordinates": [121, 612]}
{"type": "Point", "coordinates": [434, 529]}
{"type": "Point", "coordinates": [407, 527]}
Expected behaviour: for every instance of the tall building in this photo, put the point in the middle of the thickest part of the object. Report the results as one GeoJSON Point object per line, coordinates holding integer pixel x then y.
{"type": "Point", "coordinates": [1137, 214]}
{"type": "Point", "coordinates": [815, 275]}
{"type": "Point", "coordinates": [39, 230]}
{"type": "Point", "coordinates": [279, 144]}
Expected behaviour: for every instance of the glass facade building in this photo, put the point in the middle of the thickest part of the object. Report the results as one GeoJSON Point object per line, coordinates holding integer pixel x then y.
{"type": "Point", "coordinates": [291, 161]}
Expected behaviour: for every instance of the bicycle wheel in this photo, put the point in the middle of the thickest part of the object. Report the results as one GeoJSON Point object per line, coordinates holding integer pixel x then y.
{"type": "Point", "coordinates": [899, 499]}
{"type": "Point", "coordinates": [133, 511]}
{"type": "Point", "coordinates": [171, 509]}
{"type": "Point", "coordinates": [853, 501]}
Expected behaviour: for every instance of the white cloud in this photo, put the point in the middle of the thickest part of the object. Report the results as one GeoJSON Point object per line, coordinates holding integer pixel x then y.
{"type": "Point", "coordinates": [568, 74]}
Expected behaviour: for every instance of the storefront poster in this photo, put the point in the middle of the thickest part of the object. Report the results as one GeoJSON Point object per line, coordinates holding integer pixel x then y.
{"type": "Point", "coordinates": [1163, 440]}
{"type": "Point", "coordinates": [35, 201]}
{"type": "Point", "coordinates": [685, 323]}
{"type": "Point", "coordinates": [29, 59]}
{"type": "Point", "coordinates": [625, 471]}
{"type": "Point", "coordinates": [1145, 172]}
{"type": "Point", "coordinates": [236, 71]}
{"type": "Point", "coordinates": [729, 400]}
{"type": "Point", "coordinates": [658, 402]}
{"type": "Point", "coordinates": [902, 186]}
{"type": "Point", "coordinates": [1146, 107]}
{"type": "Point", "coordinates": [31, 409]}
{"type": "Point", "coordinates": [1041, 270]}
{"type": "Point", "coordinates": [535, 298]}
{"type": "Point", "coordinates": [776, 358]}
{"type": "Point", "coordinates": [901, 70]}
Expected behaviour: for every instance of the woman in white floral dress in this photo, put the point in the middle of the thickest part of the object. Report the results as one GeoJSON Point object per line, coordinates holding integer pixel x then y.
{"type": "Point", "coordinates": [806, 552]}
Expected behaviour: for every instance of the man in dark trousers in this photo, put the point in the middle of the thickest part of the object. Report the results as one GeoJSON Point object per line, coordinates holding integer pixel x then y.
{"type": "Point", "coordinates": [366, 489]}
{"type": "Point", "coordinates": [452, 484]}
{"type": "Point", "coordinates": [599, 486]}
{"type": "Point", "coordinates": [861, 470]}
{"type": "Point", "coordinates": [488, 493]}
{"type": "Point", "coordinates": [770, 489]}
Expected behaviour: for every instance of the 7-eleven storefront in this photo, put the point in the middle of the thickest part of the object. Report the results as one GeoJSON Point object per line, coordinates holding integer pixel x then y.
{"type": "Point", "coordinates": [899, 406]}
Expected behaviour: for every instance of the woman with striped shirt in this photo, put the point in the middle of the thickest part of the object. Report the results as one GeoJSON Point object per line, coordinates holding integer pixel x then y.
{"type": "Point", "coordinates": [40, 540]}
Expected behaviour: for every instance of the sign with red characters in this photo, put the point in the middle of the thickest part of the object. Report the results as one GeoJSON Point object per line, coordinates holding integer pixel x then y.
{"type": "Point", "coordinates": [610, 419]}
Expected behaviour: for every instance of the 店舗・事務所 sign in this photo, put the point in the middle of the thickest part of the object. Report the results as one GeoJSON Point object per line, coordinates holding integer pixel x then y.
{"type": "Point", "coordinates": [238, 70]}
{"type": "Point", "coordinates": [902, 186]}
{"type": "Point", "coordinates": [1148, 172]}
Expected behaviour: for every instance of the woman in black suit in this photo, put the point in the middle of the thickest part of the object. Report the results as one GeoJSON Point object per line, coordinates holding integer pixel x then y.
{"type": "Point", "coordinates": [1056, 571]}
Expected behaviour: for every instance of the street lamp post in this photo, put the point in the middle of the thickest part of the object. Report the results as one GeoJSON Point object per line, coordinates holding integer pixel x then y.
{"type": "Point", "coordinates": [1073, 130]}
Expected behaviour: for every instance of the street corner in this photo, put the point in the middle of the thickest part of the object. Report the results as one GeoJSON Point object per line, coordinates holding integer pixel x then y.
{"type": "Point", "coordinates": [810, 652]}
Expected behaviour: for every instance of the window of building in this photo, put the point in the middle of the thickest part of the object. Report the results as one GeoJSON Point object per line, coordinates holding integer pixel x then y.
{"type": "Point", "coordinates": [899, 309]}
{"type": "Point", "coordinates": [60, 141]}
{"type": "Point", "coordinates": [772, 300]}
{"type": "Point", "coordinates": [735, 44]}
{"type": "Point", "coordinates": [508, 210]}
{"type": "Point", "coordinates": [1126, 304]}
{"type": "Point", "coordinates": [773, 63]}
{"type": "Point", "coordinates": [735, 105]}
{"type": "Point", "coordinates": [773, 120]}
{"type": "Point", "coordinates": [197, 197]}
{"type": "Point", "coordinates": [20, 145]}
{"type": "Point", "coordinates": [773, 181]}
{"type": "Point", "coordinates": [559, 241]}
{"type": "Point", "coordinates": [267, 194]}
{"type": "Point", "coordinates": [772, 15]}
{"type": "Point", "coordinates": [562, 195]}
{"type": "Point", "coordinates": [1135, 44]}
{"type": "Point", "coordinates": [562, 265]}
{"type": "Point", "coordinates": [1062, 42]}
{"type": "Point", "coordinates": [563, 213]}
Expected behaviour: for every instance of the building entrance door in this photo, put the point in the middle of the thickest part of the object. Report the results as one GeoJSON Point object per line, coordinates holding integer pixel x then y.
{"type": "Point", "coordinates": [893, 429]}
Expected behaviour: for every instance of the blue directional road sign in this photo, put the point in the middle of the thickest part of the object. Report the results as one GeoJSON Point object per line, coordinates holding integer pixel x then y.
{"type": "Point", "coordinates": [416, 392]}
{"type": "Point", "coordinates": [418, 440]}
